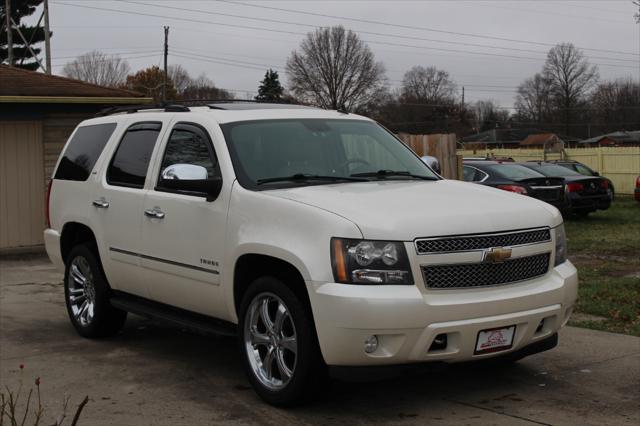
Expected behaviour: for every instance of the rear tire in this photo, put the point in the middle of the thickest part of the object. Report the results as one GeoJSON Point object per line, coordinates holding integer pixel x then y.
{"type": "Point", "coordinates": [87, 294]}
{"type": "Point", "coordinates": [278, 343]}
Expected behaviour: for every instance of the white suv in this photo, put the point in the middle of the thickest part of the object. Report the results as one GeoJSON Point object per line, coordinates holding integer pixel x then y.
{"type": "Point", "coordinates": [316, 236]}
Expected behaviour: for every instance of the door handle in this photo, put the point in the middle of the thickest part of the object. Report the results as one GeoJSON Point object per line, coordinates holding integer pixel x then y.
{"type": "Point", "coordinates": [101, 203]}
{"type": "Point", "coordinates": [154, 213]}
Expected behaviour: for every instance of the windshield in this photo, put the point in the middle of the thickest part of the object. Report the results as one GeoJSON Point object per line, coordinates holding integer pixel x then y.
{"type": "Point", "coordinates": [514, 171]}
{"type": "Point", "coordinates": [317, 151]}
{"type": "Point", "coordinates": [554, 170]}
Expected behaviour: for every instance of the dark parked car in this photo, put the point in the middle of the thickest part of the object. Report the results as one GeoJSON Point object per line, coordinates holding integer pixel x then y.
{"type": "Point", "coordinates": [517, 178]}
{"type": "Point", "coordinates": [636, 193]}
{"type": "Point", "coordinates": [583, 170]}
{"type": "Point", "coordinates": [585, 194]}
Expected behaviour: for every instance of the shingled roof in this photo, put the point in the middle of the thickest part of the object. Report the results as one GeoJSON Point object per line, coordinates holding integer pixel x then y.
{"type": "Point", "coordinates": [19, 85]}
{"type": "Point", "coordinates": [620, 137]}
{"type": "Point", "coordinates": [501, 136]}
{"type": "Point", "coordinates": [540, 139]}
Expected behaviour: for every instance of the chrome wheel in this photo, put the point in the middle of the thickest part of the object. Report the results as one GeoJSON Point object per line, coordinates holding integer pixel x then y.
{"type": "Point", "coordinates": [270, 341]}
{"type": "Point", "coordinates": [81, 291]}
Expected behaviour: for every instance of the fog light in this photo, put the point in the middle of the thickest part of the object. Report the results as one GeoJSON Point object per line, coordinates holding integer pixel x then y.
{"type": "Point", "coordinates": [371, 344]}
{"type": "Point", "coordinates": [439, 343]}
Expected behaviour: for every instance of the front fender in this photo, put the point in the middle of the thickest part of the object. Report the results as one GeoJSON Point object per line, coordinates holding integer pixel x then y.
{"type": "Point", "coordinates": [297, 233]}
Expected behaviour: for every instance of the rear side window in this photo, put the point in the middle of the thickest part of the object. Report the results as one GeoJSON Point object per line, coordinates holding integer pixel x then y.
{"type": "Point", "coordinates": [554, 170]}
{"type": "Point", "coordinates": [131, 160]}
{"type": "Point", "coordinates": [584, 170]}
{"type": "Point", "coordinates": [471, 174]}
{"type": "Point", "coordinates": [514, 171]}
{"type": "Point", "coordinates": [83, 151]}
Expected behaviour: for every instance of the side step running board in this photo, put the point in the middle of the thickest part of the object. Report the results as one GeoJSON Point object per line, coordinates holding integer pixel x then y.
{"type": "Point", "coordinates": [141, 306]}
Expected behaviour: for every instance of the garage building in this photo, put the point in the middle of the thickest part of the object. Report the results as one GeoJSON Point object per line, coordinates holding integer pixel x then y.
{"type": "Point", "coordinates": [38, 112]}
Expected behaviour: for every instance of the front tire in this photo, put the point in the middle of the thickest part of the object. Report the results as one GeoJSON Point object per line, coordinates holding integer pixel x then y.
{"type": "Point", "coordinates": [278, 342]}
{"type": "Point", "coordinates": [87, 293]}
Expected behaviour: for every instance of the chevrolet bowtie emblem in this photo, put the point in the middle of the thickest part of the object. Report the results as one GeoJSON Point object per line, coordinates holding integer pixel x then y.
{"type": "Point", "coordinates": [496, 255]}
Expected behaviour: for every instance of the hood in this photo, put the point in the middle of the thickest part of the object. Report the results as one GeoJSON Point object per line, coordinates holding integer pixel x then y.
{"type": "Point", "coordinates": [405, 210]}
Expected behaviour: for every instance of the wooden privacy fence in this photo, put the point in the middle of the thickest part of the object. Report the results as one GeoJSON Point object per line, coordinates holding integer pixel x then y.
{"type": "Point", "coordinates": [441, 146]}
{"type": "Point", "coordinates": [620, 164]}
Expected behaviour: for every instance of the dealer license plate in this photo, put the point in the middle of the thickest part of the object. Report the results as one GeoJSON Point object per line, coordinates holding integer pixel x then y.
{"type": "Point", "coordinates": [495, 339]}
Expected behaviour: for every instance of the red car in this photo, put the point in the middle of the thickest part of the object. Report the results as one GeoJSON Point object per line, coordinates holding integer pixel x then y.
{"type": "Point", "coordinates": [637, 191]}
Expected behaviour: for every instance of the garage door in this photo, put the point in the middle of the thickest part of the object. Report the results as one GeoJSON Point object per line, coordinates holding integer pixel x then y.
{"type": "Point", "coordinates": [21, 184]}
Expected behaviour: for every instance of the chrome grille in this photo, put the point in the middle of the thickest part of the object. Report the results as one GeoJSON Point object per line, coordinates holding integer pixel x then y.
{"type": "Point", "coordinates": [485, 274]}
{"type": "Point", "coordinates": [478, 242]}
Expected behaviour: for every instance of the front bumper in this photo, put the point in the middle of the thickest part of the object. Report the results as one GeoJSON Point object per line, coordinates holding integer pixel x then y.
{"type": "Point", "coordinates": [406, 320]}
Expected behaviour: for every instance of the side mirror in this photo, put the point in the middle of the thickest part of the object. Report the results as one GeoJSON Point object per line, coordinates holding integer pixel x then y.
{"type": "Point", "coordinates": [596, 174]}
{"type": "Point", "coordinates": [184, 172]}
{"type": "Point", "coordinates": [191, 180]}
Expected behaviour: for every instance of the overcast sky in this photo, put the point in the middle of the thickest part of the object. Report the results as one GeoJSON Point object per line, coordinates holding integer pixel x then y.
{"type": "Point", "coordinates": [487, 46]}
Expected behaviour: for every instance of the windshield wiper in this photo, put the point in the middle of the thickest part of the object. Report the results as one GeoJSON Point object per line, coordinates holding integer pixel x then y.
{"type": "Point", "coordinates": [392, 173]}
{"type": "Point", "coordinates": [302, 177]}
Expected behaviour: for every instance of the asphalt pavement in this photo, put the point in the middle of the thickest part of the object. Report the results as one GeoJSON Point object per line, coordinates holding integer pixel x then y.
{"type": "Point", "coordinates": [154, 374]}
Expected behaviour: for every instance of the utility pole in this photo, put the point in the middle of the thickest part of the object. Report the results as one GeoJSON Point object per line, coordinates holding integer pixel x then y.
{"type": "Point", "coordinates": [637, 16]}
{"type": "Point", "coordinates": [7, 10]}
{"type": "Point", "coordinates": [462, 96]}
{"type": "Point", "coordinates": [47, 38]}
{"type": "Point", "coordinates": [166, 53]}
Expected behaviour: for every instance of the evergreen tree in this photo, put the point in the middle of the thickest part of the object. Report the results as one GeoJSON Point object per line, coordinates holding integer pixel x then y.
{"type": "Point", "coordinates": [22, 57]}
{"type": "Point", "coordinates": [270, 88]}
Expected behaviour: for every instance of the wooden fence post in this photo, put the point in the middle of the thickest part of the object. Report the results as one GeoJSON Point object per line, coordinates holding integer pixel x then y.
{"type": "Point", "coordinates": [600, 161]}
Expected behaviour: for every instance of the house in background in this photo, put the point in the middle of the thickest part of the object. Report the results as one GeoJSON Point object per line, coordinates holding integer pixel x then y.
{"type": "Point", "coordinates": [620, 138]}
{"type": "Point", "coordinates": [497, 138]}
{"type": "Point", "coordinates": [38, 112]}
{"type": "Point", "coordinates": [550, 142]}
{"type": "Point", "coordinates": [511, 138]}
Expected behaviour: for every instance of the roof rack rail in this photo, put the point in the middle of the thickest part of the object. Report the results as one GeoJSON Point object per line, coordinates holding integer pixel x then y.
{"type": "Point", "coordinates": [135, 108]}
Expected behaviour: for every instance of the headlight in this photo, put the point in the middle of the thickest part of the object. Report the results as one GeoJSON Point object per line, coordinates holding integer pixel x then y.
{"type": "Point", "coordinates": [561, 245]}
{"type": "Point", "coordinates": [370, 262]}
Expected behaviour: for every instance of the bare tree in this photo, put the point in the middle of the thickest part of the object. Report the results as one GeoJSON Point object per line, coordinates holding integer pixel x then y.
{"type": "Point", "coordinates": [533, 101]}
{"type": "Point", "coordinates": [428, 85]}
{"type": "Point", "coordinates": [571, 78]}
{"type": "Point", "coordinates": [202, 88]}
{"type": "Point", "coordinates": [615, 102]}
{"type": "Point", "coordinates": [98, 68]}
{"type": "Point", "coordinates": [488, 115]}
{"type": "Point", "coordinates": [334, 69]}
{"type": "Point", "coordinates": [179, 76]}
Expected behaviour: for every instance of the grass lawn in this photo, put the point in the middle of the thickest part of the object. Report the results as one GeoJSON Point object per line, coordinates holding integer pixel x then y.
{"type": "Point", "coordinates": [605, 247]}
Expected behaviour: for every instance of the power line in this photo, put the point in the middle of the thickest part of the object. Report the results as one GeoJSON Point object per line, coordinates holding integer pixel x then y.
{"type": "Point", "coordinates": [277, 21]}
{"type": "Point", "coordinates": [368, 21]}
{"type": "Point", "coordinates": [123, 57]}
{"type": "Point", "coordinates": [195, 53]}
{"type": "Point", "coordinates": [304, 34]}
{"type": "Point", "coordinates": [529, 123]}
{"type": "Point", "coordinates": [564, 15]}
{"type": "Point", "coordinates": [215, 61]}
{"type": "Point", "coordinates": [127, 52]}
{"type": "Point", "coordinates": [513, 108]}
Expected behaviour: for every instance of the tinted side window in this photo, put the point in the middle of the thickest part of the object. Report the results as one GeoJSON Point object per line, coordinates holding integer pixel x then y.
{"type": "Point", "coordinates": [189, 147]}
{"type": "Point", "coordinates": [83, 151]}
{"type": "Point", "coordinates": [131, 160]}
{"type": "Point", "coordinates": [468, 173]}
{"type": "Point", "coordinates": [583, 170]}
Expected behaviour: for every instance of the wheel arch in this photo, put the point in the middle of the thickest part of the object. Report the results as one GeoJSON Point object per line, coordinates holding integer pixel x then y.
{"type": "Point", "coordinates": [74, 233]}
{"type": "Point", "coordinates": [250, 266]}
